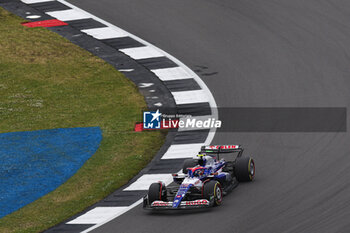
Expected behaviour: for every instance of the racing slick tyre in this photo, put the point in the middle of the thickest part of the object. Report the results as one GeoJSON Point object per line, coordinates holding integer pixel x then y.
{"type": "Point", "coordinates": [244, 169]}
{"type": "Point", "coordinates": [212, 189]}
{"type": "Point", "coordinates": [157, 192]}
{"type": "Point", "coordinates": [189, 163]}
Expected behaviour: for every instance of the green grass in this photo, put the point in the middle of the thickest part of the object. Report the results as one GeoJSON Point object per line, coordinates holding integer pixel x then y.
{"type": "Point", "coordinates": [46, 82]}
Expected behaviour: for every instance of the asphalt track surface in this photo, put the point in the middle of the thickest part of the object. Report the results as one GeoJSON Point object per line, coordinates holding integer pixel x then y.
{"type": "Point", "coordinates": [271, 53]}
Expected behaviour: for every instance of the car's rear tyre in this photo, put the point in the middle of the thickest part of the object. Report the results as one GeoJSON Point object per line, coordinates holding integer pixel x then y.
{"type": "Point", "coordinates": [212, 189]}
{"type": "Point", "coordinates": [188, 163]}
{"type": "Point", "coordinates": [157, 192]}
{"type": "Point", "coordinates": [245, 169]}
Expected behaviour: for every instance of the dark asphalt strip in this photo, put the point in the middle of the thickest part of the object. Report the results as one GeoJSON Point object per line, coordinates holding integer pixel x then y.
{"type": "Point", "coordinates": [157, 63]}
{"type": "Point", "coordinates": [82, 24]}
{"type": "Point", "coordinates": [182, 85]}
{"type": "Point", "coordinates": [122, 43]}
{"type": "Point", "coordinates": [50, 6]}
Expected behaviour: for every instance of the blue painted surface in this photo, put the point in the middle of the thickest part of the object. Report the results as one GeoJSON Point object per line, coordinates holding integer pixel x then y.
{"type": "Point", "coordinates": [35, 163]}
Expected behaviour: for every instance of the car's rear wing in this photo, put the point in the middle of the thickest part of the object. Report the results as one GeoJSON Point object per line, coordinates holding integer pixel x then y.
{"type": "Point", "coordinates": [217, 149]}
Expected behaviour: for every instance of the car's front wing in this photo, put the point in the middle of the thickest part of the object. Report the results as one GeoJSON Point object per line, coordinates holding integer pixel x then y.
{"type": "Point", "coordinates": [195, 204]}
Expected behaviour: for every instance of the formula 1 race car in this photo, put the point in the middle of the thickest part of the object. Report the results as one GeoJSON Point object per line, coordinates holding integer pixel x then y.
{"type": "Point", "coordinates": [204, 180]}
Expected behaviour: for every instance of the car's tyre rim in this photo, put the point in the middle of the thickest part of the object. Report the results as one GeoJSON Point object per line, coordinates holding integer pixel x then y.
{"type": "Point", "coordinates": [218, 194]}
{"type": "Point", "coordinates": [251, 169]}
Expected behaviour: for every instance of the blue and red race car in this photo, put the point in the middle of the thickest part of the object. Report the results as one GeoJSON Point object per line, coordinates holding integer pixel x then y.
{"type": "Point", "coordinates": [204, 180]}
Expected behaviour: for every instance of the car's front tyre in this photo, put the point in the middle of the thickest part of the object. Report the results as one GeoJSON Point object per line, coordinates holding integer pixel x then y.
{"type": "Point", "coordinates": [157, 192]}
{"type": "Point", "coordinates": [212, 189]}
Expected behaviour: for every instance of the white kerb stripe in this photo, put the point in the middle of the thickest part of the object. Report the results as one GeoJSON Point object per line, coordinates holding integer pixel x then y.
{"type": "Point", "coordinates": [145, 181]}
{"type": "Point", "coordinates": [105, 33]}
{"type": "Point", "coordinates": [142, 52]}
{"type": "Point", "coordinates": [98, 215]}
{"type": "Point", "coordinates": [35, 1]}
{"type": "Point", "coordinates": [182, 151]}
{"type": "Point", "coordinates": [189, 97]}
{"type": "Point", "coordinates": [174, 73]}
{"type": "Point", "coordinates": [67, 15]}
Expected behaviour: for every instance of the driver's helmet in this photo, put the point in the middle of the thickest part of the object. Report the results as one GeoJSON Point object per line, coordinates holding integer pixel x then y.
{"type": "Point", "coordinates": [201, 159]}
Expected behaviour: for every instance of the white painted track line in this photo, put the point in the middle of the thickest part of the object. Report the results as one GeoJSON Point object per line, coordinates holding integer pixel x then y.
{"type": "Point", "coordinates": [98, 215]}
{"type": "Point", "coordinates": [105, 33]}
{"type": "Point", "coordinates": [182, 151]}
{"type": "Point", "coordinates": [190, 97]}
{"type": "Point", "coordinates": [146, 180]}
{"type": "Point", "coordinates": [142, 52]}
{"type": "Point", "coordinates": [35, 1]}
{"type": "Point", "coordinates": [67, 15]}
{"type": "Point", "coordinates": [174, 73]}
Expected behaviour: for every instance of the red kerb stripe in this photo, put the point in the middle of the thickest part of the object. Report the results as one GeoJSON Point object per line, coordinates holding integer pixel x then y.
{"type": "Point", "coordinates": [45, 23]}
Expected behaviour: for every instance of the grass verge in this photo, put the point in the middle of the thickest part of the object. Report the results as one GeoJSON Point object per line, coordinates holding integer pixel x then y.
{"type": "Point", "coordinates": [47, 82]}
